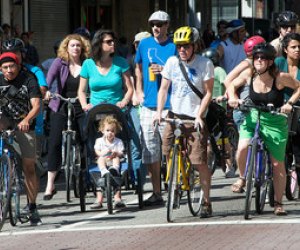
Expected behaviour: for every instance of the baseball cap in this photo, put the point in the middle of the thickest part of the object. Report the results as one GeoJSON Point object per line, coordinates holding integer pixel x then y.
{"type": "Point", "coordinates": [8, 57]}
{"type": "Point", "coordinates": [139, 36]}
{"type": "Point", "coordinates": [159, 16]}
{"type": "Point", "coordinates": [235, 25]}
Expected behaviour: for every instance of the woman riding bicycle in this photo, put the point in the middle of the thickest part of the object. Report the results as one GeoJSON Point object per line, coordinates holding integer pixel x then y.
{"type": "Point", "coordinates": [73, 50]}
{"type": "Point", "coordinates": [266, 87]}
{"type": "Point", "coordinates": [185, 103]}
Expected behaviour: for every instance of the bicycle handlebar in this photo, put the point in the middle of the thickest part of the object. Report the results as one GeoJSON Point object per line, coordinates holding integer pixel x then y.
{"type": "Point", "coordinates": [68, 99]}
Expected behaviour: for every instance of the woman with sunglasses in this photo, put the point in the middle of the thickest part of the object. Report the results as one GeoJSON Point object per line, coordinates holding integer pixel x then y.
{"type": "Point", "coordinates": [266, 87]}
{"type": "Point", "coordinates": [107, 77]}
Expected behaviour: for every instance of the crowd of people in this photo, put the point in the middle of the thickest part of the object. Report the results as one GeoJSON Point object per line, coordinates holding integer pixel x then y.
{"type": "Point", "coordinates": [153, 84]}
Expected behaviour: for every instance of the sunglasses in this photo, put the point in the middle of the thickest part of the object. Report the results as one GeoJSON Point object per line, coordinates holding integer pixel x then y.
{"type": "Point", "coordinates": [185, 46]}
{"type": "Point", "coordinates": [261, 57]}
{"type": "Point", "coordinates": [109, 42]}
{"type": "Point", "coordinates": [285, 27]}
{"type": "Point", "coordinates": [158, 24]}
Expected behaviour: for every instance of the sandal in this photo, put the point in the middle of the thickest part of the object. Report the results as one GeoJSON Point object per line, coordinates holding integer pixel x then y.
{"type": "Point", "coordinates": [238, 186]}
{"type": "Point", "coordinates": [206, 210]}
{"type": "Point", "coordinates": [278, 209]}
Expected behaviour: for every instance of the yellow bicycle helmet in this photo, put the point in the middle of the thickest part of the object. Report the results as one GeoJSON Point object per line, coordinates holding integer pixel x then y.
{"type": "Point", "coordinates": [183, 35]}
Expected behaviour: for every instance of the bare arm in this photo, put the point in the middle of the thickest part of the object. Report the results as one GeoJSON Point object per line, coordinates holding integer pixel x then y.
{"type": "Point", "coordinates": [25, 123]}
{"type": "Point", "coordinates": [129, 90]}
{"type": "Point", "coordinates": [81, 92]}
{"type": "Point", "coordinates": [139, 83]}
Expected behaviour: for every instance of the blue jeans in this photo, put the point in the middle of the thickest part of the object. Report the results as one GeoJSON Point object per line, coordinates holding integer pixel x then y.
{"type": "Point", "coordinates": [135, 144]}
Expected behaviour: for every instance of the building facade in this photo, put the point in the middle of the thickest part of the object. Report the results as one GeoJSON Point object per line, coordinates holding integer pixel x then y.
{"type": "Point", "coordinates": [51, 20]}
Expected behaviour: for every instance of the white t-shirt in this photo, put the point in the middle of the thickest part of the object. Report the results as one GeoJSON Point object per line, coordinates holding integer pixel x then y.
{"type": "Point", "coordinates": [117, 144]}
{"type": "Point", "coordinates": [183, 100]}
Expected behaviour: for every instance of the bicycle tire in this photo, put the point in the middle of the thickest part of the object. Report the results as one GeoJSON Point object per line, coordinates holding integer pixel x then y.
{"type": "Point", "coordinates": [5, 187]}
{"type": "Point", "coordinates": [195, 194]}
{"type": "Point", "coordinates": [233, 136]}
{"type": "Point", "coordinates": [14, 203]}
{"type": "Point", "coordinates": [291, 184]}
{"type": "Point", "coordinates": [108, 189]}
{"type": "Point", "coordinates": [249, 178]}
{"type": "Point", "coordinates": [263, 186]}
{"type": "Point", "coordinates": [139, 188]}
{"type": "Point", "coordinates": [172, 184]}
{"type": "Point", "coordinates": [67, 169]}
{"type": "Point", "coordinates": [81, 188]}
{"type": "Point", "coordinates": [271, 193]}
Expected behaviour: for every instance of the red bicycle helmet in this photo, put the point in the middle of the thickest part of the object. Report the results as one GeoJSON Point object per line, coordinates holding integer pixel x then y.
{"type": "Point", "coordinates": [251, 42]}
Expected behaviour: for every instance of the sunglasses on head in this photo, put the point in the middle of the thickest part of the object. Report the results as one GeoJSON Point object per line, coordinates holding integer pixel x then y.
{"type": "Point", "coordinates": [261, 57]}
{"type": "Point", "coordinates": [157, 24]}
{"type": "Point", "coordinates": [109, 41]}
{"type": "Point", "coordinates": [185, 46]}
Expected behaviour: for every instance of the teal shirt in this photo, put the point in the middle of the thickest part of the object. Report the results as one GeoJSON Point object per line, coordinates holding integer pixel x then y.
{"type": "Point", "coordinates": [282, 65]}
{"type": "Point", "coordinates": [105, 88]}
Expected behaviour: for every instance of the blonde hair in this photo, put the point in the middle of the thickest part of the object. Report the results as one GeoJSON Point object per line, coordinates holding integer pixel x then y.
{"type": "Point", "coordinates": [110, 120]}
{"type": "Point", "coordinates": [63, 47]}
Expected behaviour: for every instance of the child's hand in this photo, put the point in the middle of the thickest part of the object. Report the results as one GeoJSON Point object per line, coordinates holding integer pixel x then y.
{"type": "Point", "coordinates": [113, 154]}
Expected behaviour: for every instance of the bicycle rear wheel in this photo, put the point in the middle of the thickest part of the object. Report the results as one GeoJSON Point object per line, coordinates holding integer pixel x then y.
{"type": "Point", "coordinates": [263, 186]}
{"type": "Point", "coordinates": [139, 188]}
{"type": "Point", "coordinates": [249, 178]}
{"type": "Point", "coordinates": [173, 193]}
{"type": "Point", "coordinates": [5, 187]}
{"type": "Point", "coordinates": [195, 194]}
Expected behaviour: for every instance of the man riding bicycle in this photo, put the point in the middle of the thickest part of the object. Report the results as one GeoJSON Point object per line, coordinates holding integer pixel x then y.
{"type": "Point", "coordinates": [21, 104]}
{"type": "Point", "coordinates": [186, 104]}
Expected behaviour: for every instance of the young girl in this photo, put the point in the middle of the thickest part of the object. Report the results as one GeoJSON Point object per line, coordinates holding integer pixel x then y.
{"type": "Point", "coordinates": [109, 149]}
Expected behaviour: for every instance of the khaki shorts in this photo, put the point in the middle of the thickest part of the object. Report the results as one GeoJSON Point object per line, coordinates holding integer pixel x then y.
{"type": "Point", "coordinates": [26, 144]}
{"type": "Point", "coordinates": [196, 144]}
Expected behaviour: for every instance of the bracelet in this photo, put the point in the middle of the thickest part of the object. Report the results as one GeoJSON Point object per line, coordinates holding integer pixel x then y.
{"type": "Point", "coordinates": [290, 102]}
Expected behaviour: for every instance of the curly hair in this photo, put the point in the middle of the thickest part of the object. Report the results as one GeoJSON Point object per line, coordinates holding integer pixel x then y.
{"type": "Point", "coordinates": [110, 120]}
{"type": "Point", "coordinates": [286, 40]}
{"type": "Point", "coordinates": [97, 42]}
{"type": "Point", "coordinates": [63, 47]}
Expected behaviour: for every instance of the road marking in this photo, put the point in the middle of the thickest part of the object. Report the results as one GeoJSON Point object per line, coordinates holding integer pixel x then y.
{"type": "Point", "coordinates": [186, 224]}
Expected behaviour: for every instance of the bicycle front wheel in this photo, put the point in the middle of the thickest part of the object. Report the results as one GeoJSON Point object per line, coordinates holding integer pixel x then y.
{"type": "Point", "coordinates": [249, 178]}
{"type": "Point", "coordinates": [5, 187]}
{"type": "Point", "coordinates": [68, 166]}
{"type": "Point", "coordinates": [173, 193]}
{"type": "Point", "coordinates": [195, 194]}
{"type": "Point", "coordinates": [14, 203]}
{"type": "Point", "coordinates": [264, 183]}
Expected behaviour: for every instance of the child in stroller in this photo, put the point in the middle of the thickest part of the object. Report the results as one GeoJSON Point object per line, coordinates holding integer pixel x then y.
{"type": "Point", "coordinates": [109, 150]}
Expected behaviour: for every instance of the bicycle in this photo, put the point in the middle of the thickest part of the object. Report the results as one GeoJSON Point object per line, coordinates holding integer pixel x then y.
{"type": "Point", "coordinates": [71, 156]}
{"type": "Point", "coordinates": [181, 174]}
{"type": "Point", "coordinates": [223, 140]}
{"type": "Point", "coordinates": [10, 172]}
{"type": "Point", "coordinates": [259, 170]}
{"type": "Point", "coordinates": [292, 169]}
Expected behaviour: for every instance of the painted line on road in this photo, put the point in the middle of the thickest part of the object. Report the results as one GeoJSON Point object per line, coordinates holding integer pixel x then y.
{"type": "Point", "coordinates": [186, 224]}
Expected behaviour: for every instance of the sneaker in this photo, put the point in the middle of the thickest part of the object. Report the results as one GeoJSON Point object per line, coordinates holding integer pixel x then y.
{"type": "Point", "coordinates": [34, 218]}
{"type": "Point", "coordinates": [119, 204]}
{"type": "Point", "coordinates": [230, 173]}
{"type": "Point", "coordinates": [96, 205]}
{"type": "Point", "coordinates": [25, 210]}
{"type": "Point", "coordinates": [154, 200]}
{"type": "Point", "coordinates": [206, 210]}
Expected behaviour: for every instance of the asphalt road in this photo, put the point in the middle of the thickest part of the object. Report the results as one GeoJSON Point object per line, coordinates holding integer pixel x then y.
{"type": "Point", "coordinates": [65, 227]}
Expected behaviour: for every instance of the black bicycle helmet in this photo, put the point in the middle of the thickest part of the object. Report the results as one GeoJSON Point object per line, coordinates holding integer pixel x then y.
{"type": "Point", "coordinates": [14, 44]}
{"type": "Point", "coordinates": [266, 49]}
{"type": "Point", "coordinates": [287, 18]}
{"type": "Point", "coordinates": [212, 54]}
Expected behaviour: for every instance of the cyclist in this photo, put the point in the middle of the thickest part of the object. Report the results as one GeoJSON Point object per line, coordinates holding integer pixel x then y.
{"type": "Point", "coordinates": [185, 103]}
{"type": "Point", "coordinates": [24, 95]}
{"type": "Point", "coordinates": [266, 87]}
{"type": "Point", "coordinates": [286, 22]}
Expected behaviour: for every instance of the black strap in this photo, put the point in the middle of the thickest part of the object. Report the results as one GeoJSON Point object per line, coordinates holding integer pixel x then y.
{"type": "Point", "coordinates": [192, 86]}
